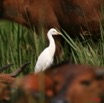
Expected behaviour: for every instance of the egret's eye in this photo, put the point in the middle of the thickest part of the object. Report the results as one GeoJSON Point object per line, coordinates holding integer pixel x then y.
{"type": "Point", "coordinates": [54, 31]}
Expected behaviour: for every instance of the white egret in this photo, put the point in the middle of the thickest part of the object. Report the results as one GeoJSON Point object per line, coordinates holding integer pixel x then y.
{"type": "Point", "coordinates": [45, 59]}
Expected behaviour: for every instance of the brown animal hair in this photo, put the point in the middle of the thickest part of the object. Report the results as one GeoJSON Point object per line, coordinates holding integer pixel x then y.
{"type": "Point", "coordinates": [64, 83]}
{"type": "Point", "coordinates": [6, 81]}
{"type": "Point", "coordinates": [70, 15]}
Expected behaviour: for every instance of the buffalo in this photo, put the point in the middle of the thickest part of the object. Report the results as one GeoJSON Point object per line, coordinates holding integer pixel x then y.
{"type": "Point", "coordinates": [65, 83]}
{"type": "Point", "coordinates": [73, 16]}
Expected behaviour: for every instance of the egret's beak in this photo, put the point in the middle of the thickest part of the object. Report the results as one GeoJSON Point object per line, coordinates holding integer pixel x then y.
{"type": "Point", "coordinates": [59, 33]}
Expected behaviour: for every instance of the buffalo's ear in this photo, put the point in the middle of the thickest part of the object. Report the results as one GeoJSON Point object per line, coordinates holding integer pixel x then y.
{"type": "Point", "coordinates": [100, 73]}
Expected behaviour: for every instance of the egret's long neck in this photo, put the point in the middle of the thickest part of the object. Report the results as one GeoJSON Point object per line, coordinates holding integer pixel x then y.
{"type": "Point", "coordinates": [51, 43]}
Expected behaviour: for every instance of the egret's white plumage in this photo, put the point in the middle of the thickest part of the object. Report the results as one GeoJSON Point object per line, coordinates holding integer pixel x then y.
{"type": "Point", "coordinates": [45, 59]}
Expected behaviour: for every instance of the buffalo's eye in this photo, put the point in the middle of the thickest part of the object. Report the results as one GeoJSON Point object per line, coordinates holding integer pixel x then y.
{"type": "Point", "coordinates": [86, 82]}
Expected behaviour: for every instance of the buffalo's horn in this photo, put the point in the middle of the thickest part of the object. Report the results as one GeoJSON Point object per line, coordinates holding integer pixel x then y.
{"type": "Point", "coordinates": [5, 67]}
{"type": "Point", "coordinates": [19, 70]}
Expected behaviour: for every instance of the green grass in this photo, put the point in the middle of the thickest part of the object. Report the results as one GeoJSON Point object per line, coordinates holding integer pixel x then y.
{"type": "Point", "coordinates": [87, 51]}
{"type": "Point", "coordinates": [19, 45]}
